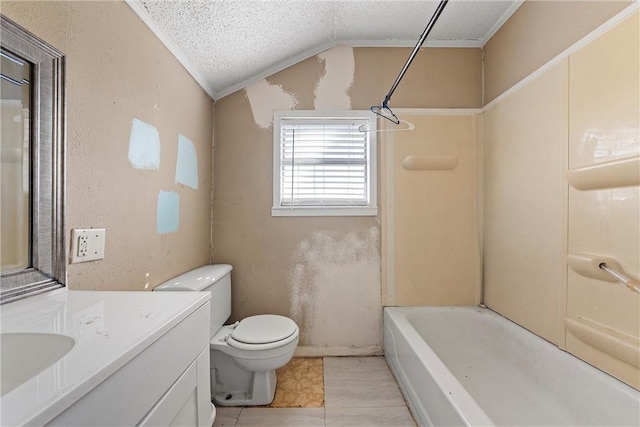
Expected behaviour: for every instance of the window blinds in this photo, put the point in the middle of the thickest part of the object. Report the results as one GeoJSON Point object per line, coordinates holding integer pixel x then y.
{"type": "Point", "coordinates": [324, 162]}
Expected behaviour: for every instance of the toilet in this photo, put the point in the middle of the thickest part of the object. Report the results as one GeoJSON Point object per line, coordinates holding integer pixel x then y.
{"type": "Point", "coordinates": [244, 356]}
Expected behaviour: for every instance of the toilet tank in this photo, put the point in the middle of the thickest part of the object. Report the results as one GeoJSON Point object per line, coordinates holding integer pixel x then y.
{"type": "Point", "coordinates": [209, 278]}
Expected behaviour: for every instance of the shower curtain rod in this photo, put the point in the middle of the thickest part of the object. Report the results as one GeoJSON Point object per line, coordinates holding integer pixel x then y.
{"type": "Point", "coordinates": [384, 110]}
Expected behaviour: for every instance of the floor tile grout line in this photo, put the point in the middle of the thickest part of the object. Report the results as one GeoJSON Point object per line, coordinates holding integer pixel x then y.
{"type": "Point", "coordinates": [339, 375]}
{"type": "Point", "coordinates": [368, 407]}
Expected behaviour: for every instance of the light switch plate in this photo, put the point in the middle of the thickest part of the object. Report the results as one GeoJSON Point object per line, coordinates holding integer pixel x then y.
{"type": "Point", "coordinates": [87, 244]}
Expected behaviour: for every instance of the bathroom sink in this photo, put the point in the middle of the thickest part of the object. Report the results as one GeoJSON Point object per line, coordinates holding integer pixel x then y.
{"type": "Point", "coordinates": [24, 355]}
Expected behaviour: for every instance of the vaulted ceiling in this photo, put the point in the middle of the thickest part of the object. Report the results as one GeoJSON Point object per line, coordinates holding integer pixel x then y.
{"type": "Point", "coordinates": [228, 44]}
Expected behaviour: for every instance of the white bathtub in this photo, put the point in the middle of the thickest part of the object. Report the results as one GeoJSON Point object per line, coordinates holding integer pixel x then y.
{"type": "Point", "coordinates": [470, 366]}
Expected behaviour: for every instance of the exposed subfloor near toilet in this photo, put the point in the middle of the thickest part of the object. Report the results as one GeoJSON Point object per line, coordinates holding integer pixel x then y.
{"type": "Point", "coordinates": [358, 391]}
{"type": "Point", "coordinates": [300, 384]}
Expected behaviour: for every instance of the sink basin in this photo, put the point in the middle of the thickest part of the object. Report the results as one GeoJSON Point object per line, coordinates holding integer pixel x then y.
{"type": "Point", "coordinates": [24, 355]}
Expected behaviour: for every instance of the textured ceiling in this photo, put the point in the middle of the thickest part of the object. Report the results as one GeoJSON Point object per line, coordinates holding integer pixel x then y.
{"type": "Point", "coordinates": [229, 44]}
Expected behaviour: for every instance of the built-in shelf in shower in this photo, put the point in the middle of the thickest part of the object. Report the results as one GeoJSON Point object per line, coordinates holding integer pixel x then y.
{"type": "Point", "coordinates": [616, 173]}
{"type": "Point", "coordinates": [610, 341]}
{"type": "Point", "coordinates": [435, 162]}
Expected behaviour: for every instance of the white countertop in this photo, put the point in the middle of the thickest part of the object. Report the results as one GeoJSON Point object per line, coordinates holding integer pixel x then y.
{"type": "Point", "coordinates": [109, 329]}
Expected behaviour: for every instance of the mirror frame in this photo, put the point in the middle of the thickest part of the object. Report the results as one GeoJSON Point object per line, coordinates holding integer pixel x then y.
{"type": "Point", "coordinates": [47, 267]}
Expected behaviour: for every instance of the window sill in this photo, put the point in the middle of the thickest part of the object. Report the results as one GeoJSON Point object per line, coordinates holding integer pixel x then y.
{"type": "Point", "coordinates": [325, 211]}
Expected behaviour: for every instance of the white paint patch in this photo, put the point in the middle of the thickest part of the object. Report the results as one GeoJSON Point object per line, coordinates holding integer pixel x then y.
{"type": "Point", "coordinates": [265, 98]}
{"type": "Point", "coordinates": [334, 289]}
{"type": "Point", "coordinates": [331, 90]}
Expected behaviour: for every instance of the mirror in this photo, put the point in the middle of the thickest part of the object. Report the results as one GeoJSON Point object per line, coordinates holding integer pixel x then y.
{"type": "Point", "coordinates": [32, 255]}
{"type": "Point", "coordinates": [15, 99]}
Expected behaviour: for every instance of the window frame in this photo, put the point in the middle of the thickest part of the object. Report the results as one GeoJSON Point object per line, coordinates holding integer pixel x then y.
{"type": "Point", "coordinates": [371, 209]}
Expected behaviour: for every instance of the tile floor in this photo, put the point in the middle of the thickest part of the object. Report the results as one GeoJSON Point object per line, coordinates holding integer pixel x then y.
{"type": "Point", "coordinates": [359, 391]}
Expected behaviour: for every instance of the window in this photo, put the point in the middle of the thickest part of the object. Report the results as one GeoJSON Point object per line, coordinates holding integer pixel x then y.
{"type": "Point", "coordinates": [323, 164]}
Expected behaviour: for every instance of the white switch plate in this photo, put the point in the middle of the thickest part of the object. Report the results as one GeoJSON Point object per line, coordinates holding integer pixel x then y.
{"type": "Point", "coordinates": [87, 244]}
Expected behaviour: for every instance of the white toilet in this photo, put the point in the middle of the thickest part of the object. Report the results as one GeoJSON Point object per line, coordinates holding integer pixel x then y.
{"type": "Point", "coordinates": [245, 355]}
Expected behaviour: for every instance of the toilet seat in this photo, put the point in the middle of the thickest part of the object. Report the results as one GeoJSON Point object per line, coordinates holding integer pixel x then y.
{"type": "Point", "coordinates": [263, 332]}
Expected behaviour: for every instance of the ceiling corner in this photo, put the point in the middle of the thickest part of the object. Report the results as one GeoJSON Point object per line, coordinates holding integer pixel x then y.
{"type": "Point", "coordinates": [138, 7]}
{"type": "Point", "coordinates": [279, 66]}
{"type": "Point", "coordinates": [500, 22]}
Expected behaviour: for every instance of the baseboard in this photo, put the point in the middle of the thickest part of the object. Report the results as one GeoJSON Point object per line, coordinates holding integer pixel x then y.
{"type": "Point", "coordinates": [322, 351]}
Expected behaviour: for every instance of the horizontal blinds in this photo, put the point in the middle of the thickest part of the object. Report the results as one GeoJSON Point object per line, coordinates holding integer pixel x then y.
{"type": "Point", "coordinates": [323, 163]}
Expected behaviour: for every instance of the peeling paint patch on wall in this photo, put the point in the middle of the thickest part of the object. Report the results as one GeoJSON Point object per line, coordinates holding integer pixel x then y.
{"type": "Point", "coordinates": [187, 164]}
{"type": "Point", "coordinates": [334, 289]}
{"type": "Point", "coordinates": [168, 216]}
{"type": "Point", "coordinates": [265, 98]}
{"type": "Point", "coordinates": [332, 90]}
{"type": "Point", "coordinates": [144, 146]}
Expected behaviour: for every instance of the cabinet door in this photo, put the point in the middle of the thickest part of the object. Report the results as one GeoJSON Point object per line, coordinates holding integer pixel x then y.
{"type": "Point", "coordinates": [188, 401]}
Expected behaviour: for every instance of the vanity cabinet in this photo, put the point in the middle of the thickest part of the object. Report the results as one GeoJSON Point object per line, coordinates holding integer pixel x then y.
{"type": "Point", "coordinates": [167, 383]}
{"type": "Point", "coordinates": [188, 401]}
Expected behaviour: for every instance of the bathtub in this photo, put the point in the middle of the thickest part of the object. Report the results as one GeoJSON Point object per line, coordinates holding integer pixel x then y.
{"type": "Point", "coordinates": [470, 366]}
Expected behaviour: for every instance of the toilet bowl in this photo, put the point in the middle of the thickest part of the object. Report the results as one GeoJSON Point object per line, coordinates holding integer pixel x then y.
{"type": "Point", "coordinates": [257, 360]}
{"type": "Point", "coordinates": [244, 355]}
{"type": "Point", "coordinates": [258, 343]}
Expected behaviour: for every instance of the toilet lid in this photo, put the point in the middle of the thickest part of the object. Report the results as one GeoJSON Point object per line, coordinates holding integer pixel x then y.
{"type": "Point", "coordinates": [264, 328]}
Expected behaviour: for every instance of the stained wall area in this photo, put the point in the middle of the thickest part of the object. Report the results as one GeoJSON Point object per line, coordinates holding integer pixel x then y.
{"type": "Point", "coordinates": [135, 117]}
{"type": "Point", "coordinates": [561, 195]}
{"type": "Point", "coordinates": [324, 272]}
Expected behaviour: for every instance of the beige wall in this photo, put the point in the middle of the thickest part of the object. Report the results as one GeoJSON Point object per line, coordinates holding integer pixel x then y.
{"type": "Point", "coordinates": [323, 272]}
{"type": "Point", "coordinates": [117, 70]}
{"type": "Point", "coordinates": [537, 32]}
{"type": "Point", "coordinates": [561, 180]}
{"type": "Point", "coordinates": [437, 78]}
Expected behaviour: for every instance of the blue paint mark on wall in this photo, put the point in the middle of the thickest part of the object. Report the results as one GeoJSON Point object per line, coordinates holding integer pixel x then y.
{"type": "Point", "coordinates": [168, 217]}
{"type": "Point", "coordinates": [187, 164]}
{"type": "Point", "coordinates": [144, 146]}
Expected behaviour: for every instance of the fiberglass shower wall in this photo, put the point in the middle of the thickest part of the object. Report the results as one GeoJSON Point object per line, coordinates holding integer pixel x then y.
{"type": "Point", "coordinates": [430, 236]}
{"type": "Point", "coordinates": [561, 183]}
